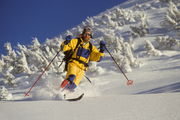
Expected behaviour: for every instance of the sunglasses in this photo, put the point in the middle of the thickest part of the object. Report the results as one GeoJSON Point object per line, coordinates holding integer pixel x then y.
{"type": "Point", "coordinates": [87, 34]}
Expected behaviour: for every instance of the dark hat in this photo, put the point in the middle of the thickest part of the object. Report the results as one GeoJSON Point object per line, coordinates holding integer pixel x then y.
{"type": "Point", "coordinates": [87, 29]}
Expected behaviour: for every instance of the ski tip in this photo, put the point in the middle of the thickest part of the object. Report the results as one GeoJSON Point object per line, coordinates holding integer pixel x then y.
{"type": "Point", "coordinates": [75, 99]}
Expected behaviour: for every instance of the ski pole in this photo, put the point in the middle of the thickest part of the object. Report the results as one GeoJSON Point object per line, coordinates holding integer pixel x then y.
{"type": "Point", "coordinates": [87, 79]}
{"type": "Point", "coordinates": [129, 82]}
{"type": "Point", "coordinates": [27, 93]}
{"type": "Point", "coordinates": [60, 64]}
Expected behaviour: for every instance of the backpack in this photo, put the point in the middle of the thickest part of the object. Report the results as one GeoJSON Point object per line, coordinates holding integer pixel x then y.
{"type": "Point", "coordinates": [68, 54]}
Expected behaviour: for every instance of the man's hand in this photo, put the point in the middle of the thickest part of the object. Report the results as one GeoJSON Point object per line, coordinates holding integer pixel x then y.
{"type": "Point", "coordinates": [102, 46]}
{"type": "Point", "coordinates": [68, 39]}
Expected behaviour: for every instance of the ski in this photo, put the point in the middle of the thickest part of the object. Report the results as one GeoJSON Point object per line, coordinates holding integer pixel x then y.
{"type": "Point", "coordinates": [74, 99]}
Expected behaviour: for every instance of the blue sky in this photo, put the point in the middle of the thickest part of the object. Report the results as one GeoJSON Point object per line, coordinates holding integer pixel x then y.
{"type": "Point", "coordinates": [21, 20]}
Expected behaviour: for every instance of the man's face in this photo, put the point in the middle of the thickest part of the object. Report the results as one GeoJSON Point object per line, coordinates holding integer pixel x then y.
{"type": "Point", "coordinates": [86, 36]}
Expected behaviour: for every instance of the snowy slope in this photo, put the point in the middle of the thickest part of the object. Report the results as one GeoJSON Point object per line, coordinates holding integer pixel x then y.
{"type": "Point", "coordinates": [123, 107]}
{"type": "Point", "coordinates": [155, 94]}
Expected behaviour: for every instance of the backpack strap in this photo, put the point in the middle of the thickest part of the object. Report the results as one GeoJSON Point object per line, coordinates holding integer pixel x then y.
{"type": "Point", "coordinates": [78, 42]}
{"type": "Point", "coordinates": [90, 47]}
{"type": "Point", "coordinates": [68, 54]}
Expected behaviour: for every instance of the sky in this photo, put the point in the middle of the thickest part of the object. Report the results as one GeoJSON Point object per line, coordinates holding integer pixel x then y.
{"type": "Point", "coordinates": [21, 20]}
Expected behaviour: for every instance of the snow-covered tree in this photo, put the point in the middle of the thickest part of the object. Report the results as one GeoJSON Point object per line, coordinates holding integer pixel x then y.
{"type": "Point", "coordinates": [127, 52]}
{"type": "Point", "coordinates": [35, 44]}
{"type": "Point", "coordinates": [34, 57]}
{"type": "Point", "coordinates": [67, 33]}
{"type": "Point", "coordinates": [122, 61]}
{"type": "Point", "coordinates": [107, 21]}
{"type": "Point", "coordinates": [143, 19]}
{"type": "Point", "coordinates": [131, 43]}
{"type": "Point", "coordinates": [1, 65]}
{"type": "Point", "coordinates": [124, 57]}
{"type": "Point", "coordinates": [9, 62]}
{"type": "Point", "coordinates": [165, 0]}
{"type": "Point", "coordinates": [124, 16]}
{"type": "Point", "coordinates": [21, 65]}
{"type": "Point", "coordinates": [118, 44]}
{"type": "Point", "coordinates": [150, 50]}
{"type": "Point", "coordinates": [172, 18]}
{"type": "Point", "coordinates": [139, 31]}
{"type": "Point", "coordinates": [10, 52]}
{"type": "Point", "coordinates": [90, 21]}
{"type": "Point", "coordinates": [5, 94]}
{"type": "Point", "coordinates": [9, 78]}
{"type": "Point", "coordinates": [168, 1]}
{"type": "Point", "coordinates": [143, 7]}
{"type": "Point", "coordinates": [142, 29]}
{"type": "Point", "coordinates": [108, 36]}
{"type": "Point", "coordinates": [167, 43]}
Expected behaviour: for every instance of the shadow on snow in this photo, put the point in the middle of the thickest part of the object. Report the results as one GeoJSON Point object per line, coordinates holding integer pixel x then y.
{"type": "Point", "coordinates": [175, 87]}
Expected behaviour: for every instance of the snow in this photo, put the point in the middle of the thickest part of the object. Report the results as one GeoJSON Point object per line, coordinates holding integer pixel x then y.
{"type": "Point", "coordinates": [155, 94]}
{"type": "Point", "coordinates": [125, 107]}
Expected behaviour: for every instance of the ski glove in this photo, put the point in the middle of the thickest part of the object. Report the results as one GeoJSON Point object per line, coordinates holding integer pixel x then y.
{"type": "Point", "coordinates": [102, 46]}
{"type": "Point", "coordinates": [68, 39]}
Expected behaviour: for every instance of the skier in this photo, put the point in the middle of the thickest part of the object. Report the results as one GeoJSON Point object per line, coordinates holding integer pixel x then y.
{"type": "Point", "coordinates": [78, 52]}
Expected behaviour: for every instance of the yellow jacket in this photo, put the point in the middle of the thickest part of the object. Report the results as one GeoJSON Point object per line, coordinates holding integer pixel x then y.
{"type": "Point", "coordinates": [82, 52]}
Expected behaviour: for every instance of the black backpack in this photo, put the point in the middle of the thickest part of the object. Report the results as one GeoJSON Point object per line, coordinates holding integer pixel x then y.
{"type": "Point", "coordinates": [68, 54]}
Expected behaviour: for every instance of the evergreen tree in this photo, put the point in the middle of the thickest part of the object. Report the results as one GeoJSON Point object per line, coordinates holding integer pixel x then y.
{"type": "Point", "coordinates": [167, 43]}
{"type": "Point", "coordinates": [172, 18]}
{"type": "Point", "coordinates": [151, 51]}
{"type": "Point", "coordinates": [21, 65]}
{"type": "Point", "coordinates": [4, 94]}
{"type": "Point", "coordinates": [139, 31]}
{"type": "Point", "coordinates": [1, 65]}
{"type": "Point", "coordinates": [8, 67]}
